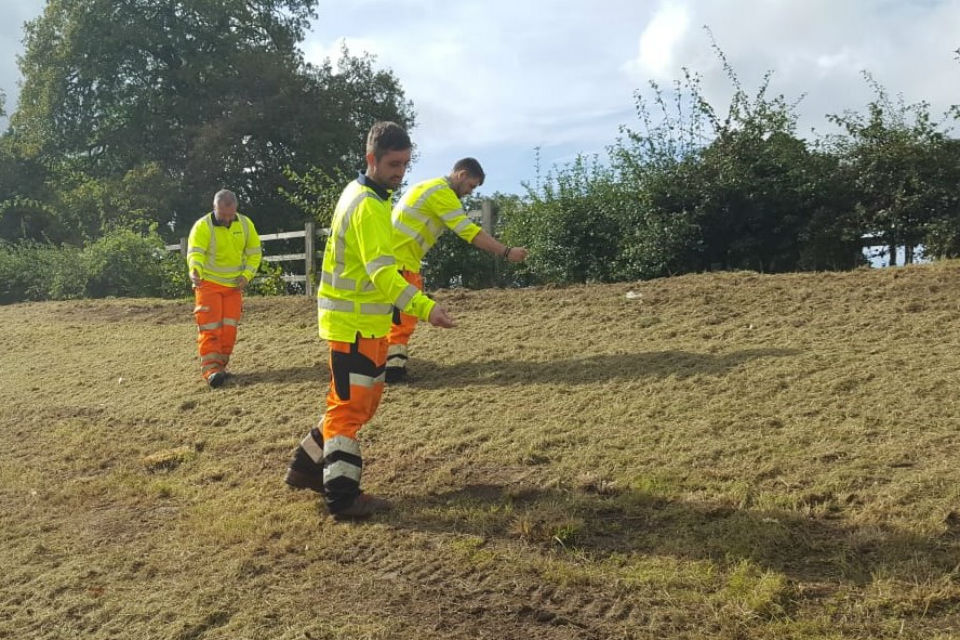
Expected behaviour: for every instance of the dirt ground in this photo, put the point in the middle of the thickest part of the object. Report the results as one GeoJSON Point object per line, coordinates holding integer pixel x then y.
{"type": "Point", "coordinates": [722, 455]}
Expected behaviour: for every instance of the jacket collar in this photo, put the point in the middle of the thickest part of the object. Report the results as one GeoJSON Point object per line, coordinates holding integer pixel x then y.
{"type": "Point", "coordinates": [379, 190]}
{"type": "Point", "coordinates": [217, 223]}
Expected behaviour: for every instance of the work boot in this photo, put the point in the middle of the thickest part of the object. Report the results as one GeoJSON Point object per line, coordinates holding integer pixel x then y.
{"type": "Point", "coordinates": [364, 506]}
{"type": "Point", "coordinates": [297, 479]}
{"type": "Point", "coordinates": [217, 379]}
{"type": "Point", "coordinates": [395, 375]}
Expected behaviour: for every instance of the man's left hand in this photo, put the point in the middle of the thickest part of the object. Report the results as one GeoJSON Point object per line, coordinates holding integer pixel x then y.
{"type": "Point", "coordinates": [241, 283]}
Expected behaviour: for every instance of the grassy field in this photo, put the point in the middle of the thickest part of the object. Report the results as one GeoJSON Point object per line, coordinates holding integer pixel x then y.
{"type": "Point", "coordinates": [711, 456]}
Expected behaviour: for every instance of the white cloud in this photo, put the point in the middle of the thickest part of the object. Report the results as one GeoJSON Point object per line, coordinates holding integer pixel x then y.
{"type": "Point", "coordinates": [658, 42]}
{"type": "Point", "coordinates": [499, 77]}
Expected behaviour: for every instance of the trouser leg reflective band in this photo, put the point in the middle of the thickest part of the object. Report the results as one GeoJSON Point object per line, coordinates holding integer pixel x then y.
{"type": "Point", "coordinates": [209, 316]}
{"type": "Point", "coordinates": [356, 386]}
{"type": "Point", "coordinates": [308, 458]}
{"type": "Point", "coordinates": [402, 328]}
{"type": "Point", "coordinates": [232, 313]}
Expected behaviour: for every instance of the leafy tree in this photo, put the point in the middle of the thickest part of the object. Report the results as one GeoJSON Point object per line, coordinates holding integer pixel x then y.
{"type": "Point", "coordinates": [738, 191]}
{"type": "Point", "coordinates": [902, 169]}
{"type": "Point", "coordinates": [196, 95]}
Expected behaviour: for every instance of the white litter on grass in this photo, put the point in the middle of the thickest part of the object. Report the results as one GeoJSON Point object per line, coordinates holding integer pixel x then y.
{"type": "Point", "coordinates": [120, 380]}
{"type": "Point", "coordinates": [632, 295]}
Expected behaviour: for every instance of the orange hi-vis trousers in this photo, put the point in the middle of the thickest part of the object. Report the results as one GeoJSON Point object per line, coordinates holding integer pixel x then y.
{"type": "Point", "coordinates": [218, 311]}
{"type": "Point", "coordinates": [356, 386]}
{"type": "Point", "coordinates": [402, 327]}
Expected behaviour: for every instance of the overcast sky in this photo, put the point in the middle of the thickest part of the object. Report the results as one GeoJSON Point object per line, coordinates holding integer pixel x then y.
{"type": "Point", "coordinates": [497, 79]}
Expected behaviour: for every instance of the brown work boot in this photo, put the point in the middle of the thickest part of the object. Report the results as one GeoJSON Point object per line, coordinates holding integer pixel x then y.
{"type": "Point", "coordinates": [364, 506]}
{"type": "Point", "coordinates": [297, 479]}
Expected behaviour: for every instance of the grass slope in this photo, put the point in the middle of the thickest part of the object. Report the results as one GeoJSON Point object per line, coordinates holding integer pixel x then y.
{"type": "Point", "coordinates": [724, 455]}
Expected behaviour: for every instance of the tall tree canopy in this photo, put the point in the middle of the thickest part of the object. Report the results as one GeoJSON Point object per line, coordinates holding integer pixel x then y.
{"type": "Point", "coordinates": [167, 101]}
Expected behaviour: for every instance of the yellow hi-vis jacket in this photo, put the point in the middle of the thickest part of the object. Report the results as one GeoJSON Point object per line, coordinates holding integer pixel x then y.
{"type": "Point", "coordinates": [360, 283]}
{"type": "Point", "coordinates": [427, 210]}
{"type": "Point", "coordinates": [220, 254]}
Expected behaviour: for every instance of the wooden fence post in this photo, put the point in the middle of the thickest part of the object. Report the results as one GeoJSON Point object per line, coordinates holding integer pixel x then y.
{"type": "Point", "coordinates": [488, 217]}
{"type": "Point", "coordinates": [183, 247]}
{"type": "Point", "coordinates": [309, 235]}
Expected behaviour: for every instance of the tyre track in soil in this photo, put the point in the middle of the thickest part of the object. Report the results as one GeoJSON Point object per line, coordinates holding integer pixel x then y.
{"type": "Point", "coordinates": [454, 599]}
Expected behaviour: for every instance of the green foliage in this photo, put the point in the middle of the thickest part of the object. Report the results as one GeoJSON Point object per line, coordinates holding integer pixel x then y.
{"type": "Point", "coordinates": [120, 263]}
{"type": "Point", "coordinates": [174, 278]}
{"type": "Point", "coordinates": [269, 281]}
{"type": "Point", "coordinates": [30, 271]}
{"type": "Point", "coordinates": [453, 262]}
{"type": "Point", "coordinates": [571, 224]}
{"type": "Point", "coordinates": [693, 190]}
{"type": "Point", "coordinates": [191, 97]}
{"type": "Point", "coordinates": [902, 170]}
{"type": "Point", "coordinates": [316, 192]}
{"type": "Point", "coordinates": [124, 263]}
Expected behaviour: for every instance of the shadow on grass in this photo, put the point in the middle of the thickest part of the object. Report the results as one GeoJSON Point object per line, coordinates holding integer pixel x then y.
{"type": "Point", "coordinates": [803, 548]}
{"type": "Point", "coordinates": [319, 374]}
{"type": "Point", "coordinates": [429, 375]}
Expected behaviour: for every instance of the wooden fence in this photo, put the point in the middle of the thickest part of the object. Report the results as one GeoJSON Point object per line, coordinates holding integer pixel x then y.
{"type": "Point", "coordinates": [309, 235]}
{"type": "Point", "coordinates": [487, 216]}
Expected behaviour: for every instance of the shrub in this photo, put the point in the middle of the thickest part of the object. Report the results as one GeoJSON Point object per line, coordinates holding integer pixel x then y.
{"type": "Point", "coordinates": [124, 263]}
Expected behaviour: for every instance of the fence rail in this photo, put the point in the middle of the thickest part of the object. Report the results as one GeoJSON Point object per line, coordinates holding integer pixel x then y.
{"type": "Point", "coordinates": [309, 235]}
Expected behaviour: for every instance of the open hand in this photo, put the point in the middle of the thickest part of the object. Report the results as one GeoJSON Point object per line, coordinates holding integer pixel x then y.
{"type": "Point", "coordinates": [440, 318]}
{"type": "Point", "coordinates": [517, 254]}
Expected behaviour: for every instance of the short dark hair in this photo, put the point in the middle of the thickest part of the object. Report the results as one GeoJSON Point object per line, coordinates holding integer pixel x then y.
{"type": "Point", "coordinates": [387, 136]}
{"type": "Point", "coordinates": [471, 166]}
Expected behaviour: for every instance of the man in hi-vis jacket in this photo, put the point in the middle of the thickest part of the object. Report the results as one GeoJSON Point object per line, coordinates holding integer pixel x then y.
{"type": "Point", "coordinates": [424, 213]}
{"type": "Point", "coordinates": [359, 287]}
{"type": "Point", "coordinates": [223, 254]}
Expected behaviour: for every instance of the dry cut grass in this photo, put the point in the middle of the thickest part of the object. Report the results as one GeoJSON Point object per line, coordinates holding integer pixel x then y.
{"type": "Point", "coordinates": [726, 455]}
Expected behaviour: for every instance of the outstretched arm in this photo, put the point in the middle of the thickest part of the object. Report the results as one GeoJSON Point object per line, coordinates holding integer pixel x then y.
{"type": "Point", "coordinates": [488, 243]}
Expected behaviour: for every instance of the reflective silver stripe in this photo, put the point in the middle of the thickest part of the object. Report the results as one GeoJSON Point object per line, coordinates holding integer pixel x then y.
{"type": "Point", "coordinates": [245, 223]}
{"type": "Point", "coordinates": [452, 215]}
{"type": "Point", "coordinates": [313, 448]}
{"type": "Point", "coordinates": [210, 326]}
{"type": "Point", "coordinates": [429, 192]}
{"type": "Point", "coordinates": [231, 269]}
{"type": "Point", "coordinates": [254, 251]}
{"type": "Point", "coordinates": [329, 304]}
{"type": "Point", "coordinates": [408, 231]}
{"type": "Point", "coordinates": [341, 443]}
{"type": "Point", "coordinates": [463, 225]}
{"type": "Point", "coordinates": [341, 468]}
{"type": "Point", "coordinates": [212, 365]}
{"type": "Point", "coordinates": [414, 213]}
{"type": "Point", "coordinates": [379, 263]}
{"type": "Point", "coordinates": [424, 243]}
{"type": "Point", "coordinates": [227, 281]}
{"type": "Point", "coordinates": [338, 282]}
{"type": "Point", "coordinates": [404, 298]}
{"type": "Point", "coordinates": [361, 380]}
{"type": "Point", "coordinates": [340, 245]}
{"type": "Point", "coordinates": [199, 308]}
{"type": "Point", "coordinates": [212, 245]}
{"type": "Point", "coordinates": [212, 356]}
{"type": "Point", "coordinates": [373, 309]}
{"type": "Point", "coordinates": [196, 250]}
{"type": "Point", "coordinates": [231, 322]}
{"type": "Point", "coordinates": [397, 355]}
